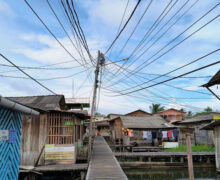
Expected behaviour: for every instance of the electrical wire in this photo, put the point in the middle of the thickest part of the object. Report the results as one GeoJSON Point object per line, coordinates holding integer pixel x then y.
{"type": "Point", "coordinates": [195, 70]}
{"type": "Point", "coordinates": [123, 27]}
{"type": "Point", "coordinates": [176, 69]}
{"type": "Point", "coordinates": [27, 74]}
{"type": "Point", "coordinates": [142, 65]}
{"type": "Point", "coordinates": [51, 32]}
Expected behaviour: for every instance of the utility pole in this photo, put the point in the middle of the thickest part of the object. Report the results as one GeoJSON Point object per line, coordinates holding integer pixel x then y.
{"type": "Point", "coordinates": [93, 105]}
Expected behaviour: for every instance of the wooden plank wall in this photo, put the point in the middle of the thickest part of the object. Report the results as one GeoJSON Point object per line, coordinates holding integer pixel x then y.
{"type": "Point", "coordinates": [117, 127]}
{"type": "Point", "coordinates": [34, 133]}
{"type": "Point", "coordinates": [10, 152]}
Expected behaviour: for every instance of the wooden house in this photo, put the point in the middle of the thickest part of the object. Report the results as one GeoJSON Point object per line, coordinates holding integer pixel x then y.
{"type": "Point", "coordinates": [103, 127]}
{"type": "Point", "coordinates": [215, 127]}
{"type": "Point", "coordinates": [172, 114]}
{"type": "Point", "coordinates": [77, 103]}
{"type": "Point", "coordinates": [138, 112]}
{"type": "Point", "coordinates": [137, 123]}
{"type": "Point", "coordinates": [10, 136]}
{"type": "Point", "coordinates": [200, 136]}
{"type": "Point", "coordinates": [51, 137]}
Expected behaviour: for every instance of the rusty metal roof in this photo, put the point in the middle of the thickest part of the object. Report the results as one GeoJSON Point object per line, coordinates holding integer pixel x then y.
{"type": "Point", "coordinates": [145, 122]}
{"type": "Point", "coordinates": [77, 100]}
{"type": "Point", "coordinates": [44, 103]}
{"type": "Point", "coordinates": [201, 118]}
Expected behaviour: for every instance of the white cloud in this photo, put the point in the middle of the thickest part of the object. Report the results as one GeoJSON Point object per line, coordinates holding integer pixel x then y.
{"type": "Point", "coordinates": [5, 9]}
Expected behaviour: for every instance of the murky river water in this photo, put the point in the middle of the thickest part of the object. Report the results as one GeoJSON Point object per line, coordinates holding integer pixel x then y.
{"type": "Point", "coordinates": [171, 174]}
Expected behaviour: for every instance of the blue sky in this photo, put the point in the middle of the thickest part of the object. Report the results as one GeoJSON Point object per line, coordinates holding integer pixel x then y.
{"type": "Point", "coordinates": [26, 42]}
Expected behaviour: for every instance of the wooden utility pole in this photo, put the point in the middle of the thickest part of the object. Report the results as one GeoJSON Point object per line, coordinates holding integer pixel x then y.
{"type": "Point", "coordinates": [189, 154]}
{"type": "Point", "coordinates": [93, 105]}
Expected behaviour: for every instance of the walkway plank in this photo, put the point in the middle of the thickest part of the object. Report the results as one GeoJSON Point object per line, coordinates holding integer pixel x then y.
{"type": "Point", "coordinates": [157, 154]}
{"type": "Point", "coordinates": [103, 164]}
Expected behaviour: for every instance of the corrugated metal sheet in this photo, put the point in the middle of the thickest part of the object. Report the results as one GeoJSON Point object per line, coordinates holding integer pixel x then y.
{"type": "Point", "coordinates": [207, 117]}
{"type": "Point", "coordinates": [45, 103]}
{"type": "Point", "coordinates": [77, 100]}
{"type": "Point", "coordinates": [145, 122]}
{"type": "Point", "coordinates": [215, 80]}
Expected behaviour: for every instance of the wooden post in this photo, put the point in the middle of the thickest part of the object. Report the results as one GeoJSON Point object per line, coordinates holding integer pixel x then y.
{"type": "Point", "coordinates": [189, 154]}
{"type": "Point", "coordinates": [182, 159]}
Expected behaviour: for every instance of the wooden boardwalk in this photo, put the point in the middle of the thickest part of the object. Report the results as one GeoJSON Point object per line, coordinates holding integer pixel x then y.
{"type": "Point", "coordinates": [158, 154]}
{"type": "Point", "coordinates": [103, 164]}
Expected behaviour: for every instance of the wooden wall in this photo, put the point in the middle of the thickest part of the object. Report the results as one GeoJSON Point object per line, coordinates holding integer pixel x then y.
{"type": "Point", "coordinates": [34, 133]}
{"type": "Point", "coordinates": [117, 127]}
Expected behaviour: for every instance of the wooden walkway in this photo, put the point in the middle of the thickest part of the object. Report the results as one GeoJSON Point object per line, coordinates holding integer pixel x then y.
{"type": "Point", "coordinates": [103, 164]}
{"type": "Point", "coordinates": [158, 154]}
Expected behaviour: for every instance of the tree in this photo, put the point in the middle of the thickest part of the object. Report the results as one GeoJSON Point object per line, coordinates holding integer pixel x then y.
{"type": "Point", "coordinates": [155, 108]}
{"type": "Point", "coordinates": [189, 113]}
{"type": "Point", "coordinates": [182, 110]}
{"type": "Point", "coordinates": [208, 109]}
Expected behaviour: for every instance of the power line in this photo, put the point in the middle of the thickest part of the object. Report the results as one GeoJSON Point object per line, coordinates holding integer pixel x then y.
{"type": "Point", "coordinates": [51, 32]}
{"type": "Point", "coordinates": [165, 24]}
{"type": "Point", "coordinates": [40, 68]}
{"type": "Point", "coordinates": [145, 11]}
{"type": "Point", "coordinates": [72, 14]}
{"type": "Point", "coordinates": [153, 25]}
{"type": "Point", "coordinates": [162, 75]}
{"type": "Point", "coordinates": [194, 91]}
{"type": "Point", "coordinates": [123, 27]}
{"type": "Point", "coordinates": [143, 39]}
{"type": "Point", "coordinates": [44, 79]}
{"type": "Point", "coordinates": [152, 101]}
{"type": "Point", "coordinates": [27, 74]}
{"type": "Point", "coordinates": [139, 68]}
{"type": "Point", "coordinates": [121, 21]}
{"type": "Point", "coordinates": [198, 69]}
{"type": "Point", "coordinates": [63, 27]}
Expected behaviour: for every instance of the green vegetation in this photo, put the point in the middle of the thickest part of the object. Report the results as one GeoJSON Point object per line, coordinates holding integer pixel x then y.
{"type": "Point", "coordinates": [200, 148]}
{"type": "Point", "coordinates": [155, 108]}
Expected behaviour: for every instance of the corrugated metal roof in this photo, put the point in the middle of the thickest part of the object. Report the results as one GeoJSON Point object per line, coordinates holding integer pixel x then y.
{"type": "Point", "coordinates": [206, 117]}
{"type": "Point", "coordinates": [145, 122]}
{"type": "Point", "coordinates": [45, 103]}
{"type": "Point", "coordinates": [137, 111]}
{"type": "Point", "coordinates": [211, 125]}
{"type": "Point", "coordinates": [77, 101]}
{"type": "Point", "coordinates": [215, 80]}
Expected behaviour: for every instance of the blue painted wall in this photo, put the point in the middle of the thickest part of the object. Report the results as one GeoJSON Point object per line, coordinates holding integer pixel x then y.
{"type": "Point", "coordinates": [10, 152]}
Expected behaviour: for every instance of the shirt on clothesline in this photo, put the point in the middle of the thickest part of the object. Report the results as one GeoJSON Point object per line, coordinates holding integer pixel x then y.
{"type": "Point", "coordinates": [169, 134]}
{"type": "Point", "coordinates": [175, 133]}
{"type": "Point", "coordinates": [164, 134]}
{"type": "Point", "coordinates": [144, 134]}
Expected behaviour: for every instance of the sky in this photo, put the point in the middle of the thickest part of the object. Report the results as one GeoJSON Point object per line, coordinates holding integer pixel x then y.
{"type": "Point", "coordinates": [26, 42]}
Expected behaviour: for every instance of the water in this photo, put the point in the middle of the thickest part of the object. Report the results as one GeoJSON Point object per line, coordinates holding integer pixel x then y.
{"type": "Point", "coordinates": [171, 174]}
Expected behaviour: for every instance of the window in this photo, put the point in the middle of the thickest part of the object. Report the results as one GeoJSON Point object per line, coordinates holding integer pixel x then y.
{"type": "Point", "coordinates": [164, 116]}
{"type": "Point", "coordinates": [173, 117]}
{"type": "Point", "coordinates": [61, 128]}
